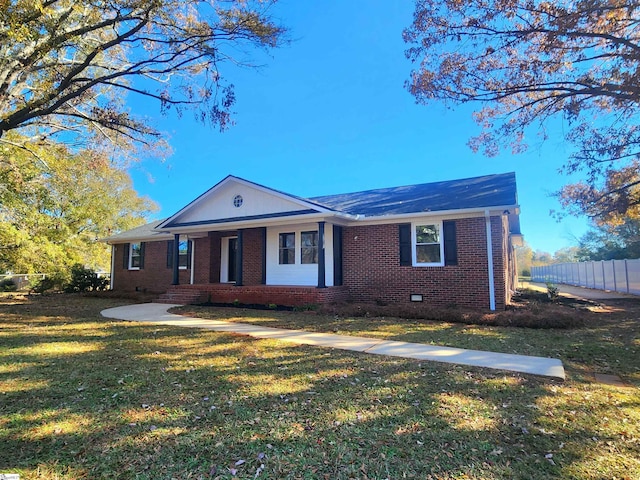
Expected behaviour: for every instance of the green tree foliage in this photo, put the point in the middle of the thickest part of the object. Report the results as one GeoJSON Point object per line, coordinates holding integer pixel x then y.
{"type": "Point", "coordinates": [566, 255]}
{"type": "Point", "coordinates": [528, 61]}
{"type": "Point", "coordinates": [66, 65]}
{"type": "Point", "coordinates": [524, 257]}
{"type": "Point", "coordinates": [541, 257]}
{"type": "Point", "coordinates": [611, 242]}
{"type": "Point", "coordinates": [53, 210]}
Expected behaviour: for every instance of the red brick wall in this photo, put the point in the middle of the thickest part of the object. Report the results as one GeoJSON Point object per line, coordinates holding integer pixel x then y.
{"type": "Point", "coordinates": [202, 248]}
{"type": "Point", "coordinates": [268, 294]}
{"type": "Point", "coordinates": [372, 268]}
{"type": "Point", "coordinates": [215, 243]}
{"type": "Point", "coordinates": [371, 265]}
{"type": "Point", "coordinates": [499, 261]}
{"type": "Point", "coordinates": [252, 256]}
{"type": "Point", "coordinates": [155, 277]}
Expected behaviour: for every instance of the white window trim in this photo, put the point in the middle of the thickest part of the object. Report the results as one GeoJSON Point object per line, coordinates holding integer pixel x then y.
{"type": "Point", "coordinates": [414, 240]}
{"type": "Point", "coordinates": [298, 245]}
{"type": "Point", "coordinates": [131, 255]}
{"type": "Point", "coordinates": [183, 267]}
{"type": "Point", "coordinates": [317, 247]}
{"type": "Point", "coordinates": [224, 259]}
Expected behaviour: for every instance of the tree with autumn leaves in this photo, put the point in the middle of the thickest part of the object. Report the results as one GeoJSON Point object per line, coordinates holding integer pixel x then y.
{"type": "Point", "coordinates": [66, 133]}
{"type": "Point", "coordinates": [526, 63]}
{"type": "Point", "coordinates": [67, 66]}
{"type": "Point", "coordinates": [55, 209]}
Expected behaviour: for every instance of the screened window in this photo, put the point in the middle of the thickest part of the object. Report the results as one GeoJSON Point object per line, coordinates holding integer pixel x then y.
{"type": "Point", "coordinates": [287, 249]}
{"type": "Point", "coordinates": [428, 244]}
{"type": "Point", "coordinates": [309, 248]}
{"type": "Point", "coordinates": [135, 255]}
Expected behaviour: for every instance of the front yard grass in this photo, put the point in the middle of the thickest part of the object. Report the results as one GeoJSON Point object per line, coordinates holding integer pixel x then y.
{"type": "Point", "coordinates": [87, 397]}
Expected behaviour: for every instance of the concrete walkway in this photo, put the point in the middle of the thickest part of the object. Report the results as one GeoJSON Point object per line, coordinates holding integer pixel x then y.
{"type": "Point", "coordinates": [157, 313]}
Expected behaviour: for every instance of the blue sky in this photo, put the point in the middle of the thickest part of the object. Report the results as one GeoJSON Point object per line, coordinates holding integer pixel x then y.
{"type": "Point", "coordinates": [329, 114]}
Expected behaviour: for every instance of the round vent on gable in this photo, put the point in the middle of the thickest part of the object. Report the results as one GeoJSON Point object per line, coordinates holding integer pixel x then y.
{"type": "Point", "coordinates": [237, 201]}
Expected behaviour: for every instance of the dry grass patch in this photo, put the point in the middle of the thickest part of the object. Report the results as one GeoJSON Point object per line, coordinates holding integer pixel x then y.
{"type": "Point", "coordinates": [146, 402]}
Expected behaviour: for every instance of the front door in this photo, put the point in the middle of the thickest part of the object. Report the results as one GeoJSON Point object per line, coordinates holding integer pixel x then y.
{"type": "Point", "coordinates": [231, 265]}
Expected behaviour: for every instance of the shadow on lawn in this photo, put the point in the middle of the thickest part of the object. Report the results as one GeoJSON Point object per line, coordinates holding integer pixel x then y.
{"type": "Point", "coordinates": [137, 401]}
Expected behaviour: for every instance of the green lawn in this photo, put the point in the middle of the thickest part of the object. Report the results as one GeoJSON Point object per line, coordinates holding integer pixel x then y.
{"type": "Point", "coordinates": [87, 397]}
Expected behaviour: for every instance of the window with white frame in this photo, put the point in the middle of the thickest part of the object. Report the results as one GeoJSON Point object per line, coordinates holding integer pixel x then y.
{"type": "Point", "coordinates": [183, 254]}
{"type": "Point", "coordinates": [287, 249]}
{"type": "Point", "coordinates": [135, 256]}
{"type": "Point", "coordinates": [428, 248]}
{"type": "Point", "coordinates": [309, 247]}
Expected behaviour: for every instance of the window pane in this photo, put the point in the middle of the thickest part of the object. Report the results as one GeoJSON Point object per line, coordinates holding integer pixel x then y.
{"type": "Point", "coordinates": [287, 254]}
{"type": "Point", "coordinates": [309, 254]}
{"type": "Point", "coordinates": [183, 252]}
{"type": "Point", "coordinates": [309, 250]}
{"type": "Point", "coordinates": [287, 240]}
{"type": "Point", "coordinates": [428, 234]}
{"type": "Point", "coordinates": [309, 239]}
{"type": "Point", "coordinates": [135, 255]}
{"type": "Point", "coordinates": [428, 253]}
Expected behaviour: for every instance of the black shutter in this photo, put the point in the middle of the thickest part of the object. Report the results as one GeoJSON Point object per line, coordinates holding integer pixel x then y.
{"type": "Point", "coordinates": [337, 255]}
{"type": "Point", "coordinates": [169, 253]}
{"type": "Point", "coordinates": [142, 255]}
{"type": "Point", "coordinates": [450, 246]}
{"type": "Point", "coordinates": [405, 243]}
{"type": "Point", "coordinates": [125, 256]}
{"type": "Point", "coordinates": [189, 247]}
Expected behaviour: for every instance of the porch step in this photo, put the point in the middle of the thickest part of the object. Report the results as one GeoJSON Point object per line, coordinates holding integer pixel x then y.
{"type": "Point", "coordinates": [181, 297]}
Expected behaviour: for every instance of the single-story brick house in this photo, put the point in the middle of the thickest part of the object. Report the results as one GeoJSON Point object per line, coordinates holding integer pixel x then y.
{"type": "Point", "coordinates": [445, 243]}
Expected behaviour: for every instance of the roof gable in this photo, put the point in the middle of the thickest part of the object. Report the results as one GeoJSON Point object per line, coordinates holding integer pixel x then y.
{"type": "Point", "coordinates": [471, 193]}
{"type": "Point", "coordinates": [236, 199]}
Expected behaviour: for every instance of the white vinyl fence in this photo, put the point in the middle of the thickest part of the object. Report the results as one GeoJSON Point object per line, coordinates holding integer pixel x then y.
{"type": "Point", "coordinates": [615, 275]}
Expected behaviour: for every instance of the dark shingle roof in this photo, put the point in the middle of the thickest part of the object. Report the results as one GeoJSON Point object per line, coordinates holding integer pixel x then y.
{"type": "Point", "coordinates": [478, 192]}
{"type": "Point", "coordinates": [143, 232]}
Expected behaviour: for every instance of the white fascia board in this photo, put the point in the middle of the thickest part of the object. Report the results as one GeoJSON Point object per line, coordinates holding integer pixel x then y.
{"type": "Point", "coordinates": [440, 214]}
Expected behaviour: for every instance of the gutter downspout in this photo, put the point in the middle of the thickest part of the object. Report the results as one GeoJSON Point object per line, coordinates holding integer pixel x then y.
{"type": "Point", "coordinates": [492, 287]}
{"type": "Point", "coordinates": [113, 266]}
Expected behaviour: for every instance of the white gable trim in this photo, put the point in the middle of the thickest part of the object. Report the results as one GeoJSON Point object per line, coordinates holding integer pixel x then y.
{"type": "Point", "coordinates": [303, 204]}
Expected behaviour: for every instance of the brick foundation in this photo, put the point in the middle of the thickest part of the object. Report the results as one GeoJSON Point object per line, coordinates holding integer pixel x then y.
{"type": "Point", "coordinates": [263, 294]}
